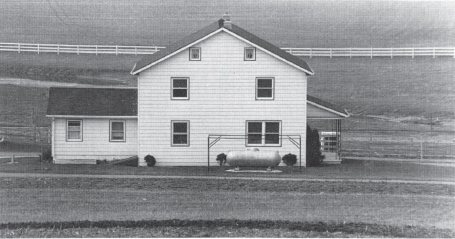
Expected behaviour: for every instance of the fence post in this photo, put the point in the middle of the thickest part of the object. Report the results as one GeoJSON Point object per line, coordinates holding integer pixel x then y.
{"type": "Point", "coordinates": [38, 48]}
{"type": "Point", "coordinates": [290, 51]}
{"type": "Point", "coordinates": [58, 49]}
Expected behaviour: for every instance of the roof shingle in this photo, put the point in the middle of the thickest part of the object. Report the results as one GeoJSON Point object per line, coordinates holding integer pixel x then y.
{"type": "Point", "coordinates": [92, 102]}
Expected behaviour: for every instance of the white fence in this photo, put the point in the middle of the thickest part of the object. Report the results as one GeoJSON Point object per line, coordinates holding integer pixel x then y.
{"type": "Point", "coordinates": [373, 52]}
{"type": "Point", "coordinates": [79, 49]}
{"type": "Point", "coordinates": [308, 52]}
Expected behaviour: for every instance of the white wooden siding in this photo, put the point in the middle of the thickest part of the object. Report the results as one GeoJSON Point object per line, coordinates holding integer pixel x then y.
{"type": "Point", "coordinates": [221, 100]}
{"type": "Point", "coordinates": [95, 142]}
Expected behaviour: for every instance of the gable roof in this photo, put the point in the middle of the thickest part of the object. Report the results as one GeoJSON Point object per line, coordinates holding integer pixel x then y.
{"type": "Point", "coordinates": [214, 28]}
{"type": "Point", "coordinates": [120, 102]}
{"type": "Point", "coordinates": [327, 106]}
{"type": "Point", "coordinates": [92, 102]}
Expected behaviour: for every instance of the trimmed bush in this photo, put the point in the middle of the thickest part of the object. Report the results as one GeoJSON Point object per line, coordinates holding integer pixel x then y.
{"type": "Point", "coordinates": [314, 156]}
{"type": "Point", "coordinates": [221, 158]}
{"type": "Point", "coordinates": [150, 160]}
{"type": "Point", "coordinates": [46, 155]}
{"type": "Point", "coordinates": [289, 159]}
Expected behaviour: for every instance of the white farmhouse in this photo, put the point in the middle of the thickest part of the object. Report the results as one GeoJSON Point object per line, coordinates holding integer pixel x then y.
{"type": "Point", "coordinates": [219, 89]}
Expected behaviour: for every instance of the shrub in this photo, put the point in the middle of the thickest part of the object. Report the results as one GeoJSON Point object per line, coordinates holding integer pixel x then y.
{"type": "Point", "coordinates": [221, 158]}
{"type": "Point", "coordinates": [46, 155]}
{"type": "Point", "coordinates": [101, 161]}
{"type": "Point", "coordinates": [150, 160]}
{"type": "Point", "coordinates": [314, 156]}
{"type": "Point", "coordinates": [289, 159]}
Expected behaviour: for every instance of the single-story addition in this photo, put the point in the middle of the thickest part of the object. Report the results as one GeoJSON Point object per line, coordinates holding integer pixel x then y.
{"type": "Point", "coordinates": [219, 89]}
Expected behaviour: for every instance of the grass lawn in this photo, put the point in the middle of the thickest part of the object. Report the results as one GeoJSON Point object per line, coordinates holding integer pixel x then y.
{"type": "Point", "coordinates": [342, 209]}
{"type": "Point", "coordinates": [373, 205]}
{"type": "Point", "coordinates": [350, 169]}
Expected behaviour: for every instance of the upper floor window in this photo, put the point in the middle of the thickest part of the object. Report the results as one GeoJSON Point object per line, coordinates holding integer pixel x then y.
{"type": "Point", "coordinates": [74, 130]}
{"type": "Point", "coordinates": [265, 88]}
{"type": "Point", "coordinates": [180, 133]}
{"type": "Point", "coordinates": [195, 53]}
{"type": "Point", "coordinates": [263, 133]}
{"type": "Point", "coordinates": [117, 131]}
{"type": "Point", "coordinates": [180, 88]}
{"type": "Point", "coordinates": [250, 54]}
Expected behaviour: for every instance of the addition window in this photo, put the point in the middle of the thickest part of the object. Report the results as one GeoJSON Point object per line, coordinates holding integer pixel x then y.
{"type": "Point", "coordinates": [74, 130]}
{"type": "Point", "coordinates": [180, 133]}
{"type": "Point", "coordinates": [117, 131]}
{"type": "Point", "coordinates": [265, 88]}
{"type": "Point", "coordinates": [263, 133]}
{"type": "Point", "coordinates": [195, 53]}
{"type": "Point", "coordinates": [180, 88]}
{"type": "Point", "coordinates": [250, 54]}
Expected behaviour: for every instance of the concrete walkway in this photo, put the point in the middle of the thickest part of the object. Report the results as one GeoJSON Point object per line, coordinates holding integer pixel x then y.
{"type": "Point", "coordinates": [42, 175]}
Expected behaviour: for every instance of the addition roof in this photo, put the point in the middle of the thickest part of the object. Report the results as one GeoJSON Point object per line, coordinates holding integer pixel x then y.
{"type": "Point", "coordinates": [72, 102]}
{"type": "Point", "coordinates": [192, 39]}
{"type": "Point", "coordinates": [92, 102]}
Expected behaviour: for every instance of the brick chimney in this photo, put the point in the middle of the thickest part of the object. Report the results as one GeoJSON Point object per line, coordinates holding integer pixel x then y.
{"type": "Point", "coordinates": [227, 21]}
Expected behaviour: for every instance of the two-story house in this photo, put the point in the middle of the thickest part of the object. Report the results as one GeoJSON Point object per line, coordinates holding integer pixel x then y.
{"type": "Point", "coordinates": [221, 80]}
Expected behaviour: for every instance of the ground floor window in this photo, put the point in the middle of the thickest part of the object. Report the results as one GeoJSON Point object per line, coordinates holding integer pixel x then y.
{"type": "Point", "coordinates": [74, 130]}
{"type": "Point", "coordinates": [263, 133]}
{"type": "Point", "coordinates": [180, 133]}
{"type": "Point", "coordinates": [117, 131]}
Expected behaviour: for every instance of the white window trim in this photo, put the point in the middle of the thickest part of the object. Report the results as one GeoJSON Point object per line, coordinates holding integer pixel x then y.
{"type": "Point", "coordinates": [254, 54]}
{"type": "Point", "coordinates": [81, 131]}
{"type": "Point", "coordinates": [187, 133]}
{"type": "Point", "coordinates": [273, 88]}
{"type": "Point", "coordinates": [110, 131]}
{"type": "Point", "coordinates": [191, 56]}
{"type": "Point", "coordinates": [187, 88]}
{"type": "Point", "coordinates": [263, 133]}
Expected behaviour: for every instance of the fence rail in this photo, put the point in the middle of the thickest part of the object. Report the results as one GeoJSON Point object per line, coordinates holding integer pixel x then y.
{"type": "Point", "coordinates": [372, 52]}
{"type": "Point", "coordinates": [79, 49]}
{"type": "Point", "coordinates": [308, 52]}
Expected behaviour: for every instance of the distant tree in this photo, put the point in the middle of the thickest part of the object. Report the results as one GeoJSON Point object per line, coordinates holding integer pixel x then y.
{"type": "Point", "coordinates": [314, 155]}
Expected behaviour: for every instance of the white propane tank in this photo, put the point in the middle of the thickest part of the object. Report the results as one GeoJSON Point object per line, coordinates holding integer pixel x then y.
{"type": "Point", "coordinates": [253, 158]}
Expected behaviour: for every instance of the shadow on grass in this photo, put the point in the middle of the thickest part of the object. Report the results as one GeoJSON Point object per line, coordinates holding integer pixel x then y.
{"type": "Point", "coordinates": [346, 227]}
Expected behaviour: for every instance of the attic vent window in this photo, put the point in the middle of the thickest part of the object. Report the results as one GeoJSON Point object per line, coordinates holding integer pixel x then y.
{"type": "Point", "coordinates": [250, 54]}
{"type": "Point", "coordinates": [195, 53]}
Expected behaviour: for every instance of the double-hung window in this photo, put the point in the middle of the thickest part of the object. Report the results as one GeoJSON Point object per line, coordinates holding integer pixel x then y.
{"type": "Point", "coordinates": [117, 131]}
{"type": "Point", "coordinates": [74, 130]}
{"type": "Point", "coordinates": [180, 133]}
{"type": "Point", "coordinates": [263, 133]}
{"type": "Point", "coordinates": [249, 54]}
{"type": "Point", "coordinates": [265, 88]}
{"type": "Point", "coordinates": [180, 88]}
{"type": "Point", "coordinates": [195, 53]}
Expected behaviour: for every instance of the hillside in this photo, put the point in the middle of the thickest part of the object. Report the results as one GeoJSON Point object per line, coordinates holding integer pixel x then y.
{"type": "Point", "coordinates": [286, 23]}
